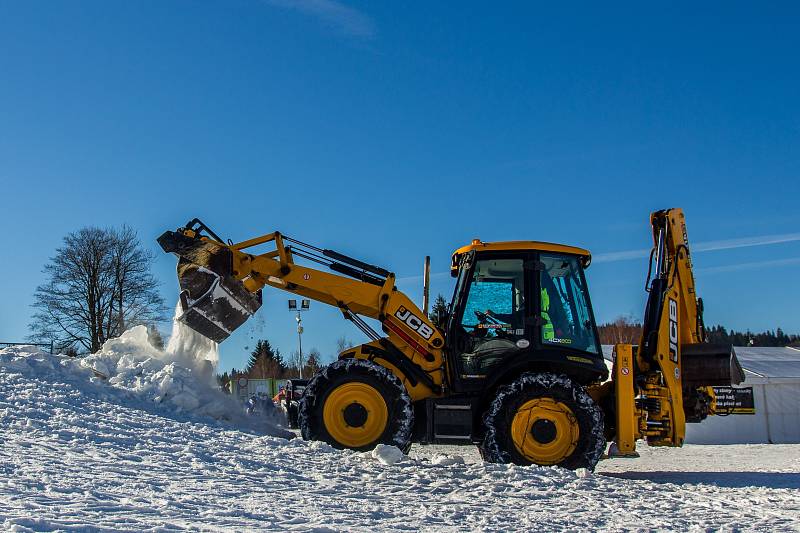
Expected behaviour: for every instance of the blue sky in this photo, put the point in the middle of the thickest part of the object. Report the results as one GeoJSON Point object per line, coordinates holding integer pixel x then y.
{"type": "Point", "coordinates": [389, 131]}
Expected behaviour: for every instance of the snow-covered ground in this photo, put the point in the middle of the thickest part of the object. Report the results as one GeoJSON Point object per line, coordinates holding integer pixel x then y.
{"type": "Point", "coordinates": [79, 452]}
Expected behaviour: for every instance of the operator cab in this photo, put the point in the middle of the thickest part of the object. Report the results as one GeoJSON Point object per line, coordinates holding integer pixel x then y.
{"type": "Point", "coordinates": [521, 304]}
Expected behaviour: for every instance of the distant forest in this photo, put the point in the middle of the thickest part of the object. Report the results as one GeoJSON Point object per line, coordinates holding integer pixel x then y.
{"type": "Point", "coordinates": [720, 335]}
{"type": "Point", "coordinates": [626, 330]}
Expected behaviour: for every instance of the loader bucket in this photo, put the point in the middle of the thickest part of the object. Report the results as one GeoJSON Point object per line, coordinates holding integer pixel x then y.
{"type": "Point", "coordinates": [213, 302]}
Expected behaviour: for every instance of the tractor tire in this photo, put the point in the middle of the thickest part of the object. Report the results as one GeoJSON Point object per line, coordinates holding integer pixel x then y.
{"type": "Point", "coordinates": [356, 404]}
{"type": "Point", "coordinates": [543, 419]}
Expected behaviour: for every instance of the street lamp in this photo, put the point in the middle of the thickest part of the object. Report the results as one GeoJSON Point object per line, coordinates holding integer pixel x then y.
{"type": "Point", "coordinates": [304, 306]}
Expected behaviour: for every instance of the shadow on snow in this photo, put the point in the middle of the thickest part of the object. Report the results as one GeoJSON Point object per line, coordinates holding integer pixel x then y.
{"type": "Point", "coordinates": [772, 480]}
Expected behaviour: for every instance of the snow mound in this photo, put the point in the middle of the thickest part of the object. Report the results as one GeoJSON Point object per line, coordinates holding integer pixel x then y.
{"type": "Point", "coordinates": [180, 378]}
{"type": "Point", "coordinates": [130, 362]}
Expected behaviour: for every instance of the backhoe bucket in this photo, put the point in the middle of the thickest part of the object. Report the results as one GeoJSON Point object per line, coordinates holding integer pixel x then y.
{"type": "Point", "coordinates": [710, 365]}
{"type": "Point", "coordinates": [214, 303]}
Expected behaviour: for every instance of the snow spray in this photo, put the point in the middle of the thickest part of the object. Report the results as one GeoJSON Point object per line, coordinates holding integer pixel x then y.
{"type": "Point", "coordinates": [190, 349]}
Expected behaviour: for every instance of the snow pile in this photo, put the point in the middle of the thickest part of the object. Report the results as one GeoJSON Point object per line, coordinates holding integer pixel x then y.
{"type": "Point", "coordinates": [131, 362]}
{"type": "Point", "coordinates": [79, 454]}
{"type": "Point", "coordinates": [182, 375]}
{"type": "Point", "coordinates": [181, 378]}
{"type": "Point", "coordinates": [141, 372]}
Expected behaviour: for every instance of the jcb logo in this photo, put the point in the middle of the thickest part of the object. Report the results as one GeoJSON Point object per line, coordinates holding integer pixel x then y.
{"type": "Point", "coordinates": [414, 322]}
{"type": "Point", "coordinates": [673, 330]}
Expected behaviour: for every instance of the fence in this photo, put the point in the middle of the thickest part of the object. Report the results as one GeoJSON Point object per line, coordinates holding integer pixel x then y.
{"type": "Point", "coordinates": [244, 388]}
{"type": "Point", "coordinates": [48, 345]}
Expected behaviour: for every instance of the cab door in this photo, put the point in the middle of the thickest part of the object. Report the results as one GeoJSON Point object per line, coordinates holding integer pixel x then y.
{"type": "Point", "coordinates": [489, 321]}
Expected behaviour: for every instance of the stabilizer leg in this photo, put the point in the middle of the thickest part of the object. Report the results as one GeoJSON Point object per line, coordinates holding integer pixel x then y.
{"type": "Point", "coordinates": [624, 444]}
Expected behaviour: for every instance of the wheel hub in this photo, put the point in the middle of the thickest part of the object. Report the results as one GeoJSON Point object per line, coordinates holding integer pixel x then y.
{"type": "Point", "coordinates": [545, 431]}
{"type": "Point", "coordinates": [355, 415]}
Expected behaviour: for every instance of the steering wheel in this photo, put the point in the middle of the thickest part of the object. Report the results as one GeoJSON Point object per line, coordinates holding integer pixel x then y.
{"type": "Point", "coordinates": [482, 317]}
{"type": "Point", "coordinates": [486, 318]}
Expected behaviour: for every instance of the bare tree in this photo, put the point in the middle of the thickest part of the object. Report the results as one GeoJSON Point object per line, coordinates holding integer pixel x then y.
{"type": "Point", "coordinates": [312, 364]}
{"type": "Point", "coordinates": [292, 370]}
{"type": "Point", "coordinates": [134, 286]}
{"type": "Point", "coordinates": [98, 284]}
{"type": "Point", "coordinates": [342, 344]}
{"type": "Point", "coordinates": [623, 330]}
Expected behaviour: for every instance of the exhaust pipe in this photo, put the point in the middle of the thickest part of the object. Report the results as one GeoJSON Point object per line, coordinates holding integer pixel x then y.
{"type": "Point", "coordinates": [426, 284]}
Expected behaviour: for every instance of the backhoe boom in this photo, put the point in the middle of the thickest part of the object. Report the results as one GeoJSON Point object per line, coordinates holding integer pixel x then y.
{"type": "Point", "coordinates": [674, 368]}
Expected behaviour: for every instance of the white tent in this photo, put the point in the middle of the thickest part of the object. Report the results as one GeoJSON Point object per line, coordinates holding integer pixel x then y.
{"type": "Point", "coordinates": [774, 375]}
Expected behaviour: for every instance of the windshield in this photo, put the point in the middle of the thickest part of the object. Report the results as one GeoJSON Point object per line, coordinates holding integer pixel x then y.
{"type": "Point", "coordinates": [566, 318]}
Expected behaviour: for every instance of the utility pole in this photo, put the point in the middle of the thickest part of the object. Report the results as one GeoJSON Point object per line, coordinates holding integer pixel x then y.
{"type": "Point", "coordinates": [300, 343]}
{"type": "Point", "coordinates": [304, 306]}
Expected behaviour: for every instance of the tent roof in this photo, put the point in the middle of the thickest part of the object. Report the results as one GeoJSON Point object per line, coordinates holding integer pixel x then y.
{"type": "Point", "coordinates": [770, 362]}
{"type": "Point", "coordinates": [758, 360]}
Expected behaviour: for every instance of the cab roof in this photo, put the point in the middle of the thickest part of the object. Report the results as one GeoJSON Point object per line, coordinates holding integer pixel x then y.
{"type": "Point", "coordinates": [540, 246]}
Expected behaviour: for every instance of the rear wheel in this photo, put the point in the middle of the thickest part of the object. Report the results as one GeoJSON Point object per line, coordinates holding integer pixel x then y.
{"type": "Point", "coordinates": [356, 404]}
{"type": "Point", "coordinates": [543, 419]}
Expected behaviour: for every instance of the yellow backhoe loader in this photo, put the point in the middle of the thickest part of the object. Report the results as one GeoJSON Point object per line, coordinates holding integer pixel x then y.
{"type": "Point", "coordinates": [518, 368]}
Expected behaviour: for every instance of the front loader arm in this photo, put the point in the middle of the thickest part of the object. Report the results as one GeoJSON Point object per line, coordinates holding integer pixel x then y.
{"type": "Point", "coordinates": [278, 269]}
{"type": "Point", "coordinates": [221, 287]}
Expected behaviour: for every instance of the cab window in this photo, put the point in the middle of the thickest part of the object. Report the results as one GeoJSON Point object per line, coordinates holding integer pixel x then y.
{"type": "Point", "coordinates": [566, 319]}
{"type": "Point", "coordinates": [493, 317]}
{"type": "Point", "coordinates": [494, 297]}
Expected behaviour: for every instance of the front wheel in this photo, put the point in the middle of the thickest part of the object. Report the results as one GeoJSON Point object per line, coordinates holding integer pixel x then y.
{"type": "Point", "coordinates": [543, 419]}
{"type": "Point", "coordinates": [356, 404]}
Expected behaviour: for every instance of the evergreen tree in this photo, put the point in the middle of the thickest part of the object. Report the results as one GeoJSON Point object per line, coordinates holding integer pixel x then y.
{"type": "Point", "coordinates": [233, 376]}
{"type": "Point", "coordinates": [610, 333]}
{"type": "Point", "coordinates": [439, 312]}
{"type": "Point", "coordinates": [777, 338]}
{"type": "Point", "coordinates": [224, 380]}
{"type": "Point", "coordinates": [265, 362]}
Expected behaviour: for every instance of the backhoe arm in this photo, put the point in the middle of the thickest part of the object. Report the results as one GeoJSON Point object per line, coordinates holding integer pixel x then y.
{"type": "Point", "coordinates": [674, 367]}
{"type": "Point", "coordinates": [674, 313]}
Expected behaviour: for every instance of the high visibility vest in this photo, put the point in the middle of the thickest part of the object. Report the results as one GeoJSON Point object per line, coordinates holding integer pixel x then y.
{"type": "Point", "coordinates": [548, 332]}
